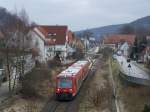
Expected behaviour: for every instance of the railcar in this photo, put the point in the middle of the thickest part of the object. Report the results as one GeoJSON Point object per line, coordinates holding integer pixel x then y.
{"type": "Point", "coordinates": [69, 81]}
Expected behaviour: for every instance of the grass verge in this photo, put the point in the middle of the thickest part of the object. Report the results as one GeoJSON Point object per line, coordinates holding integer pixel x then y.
{"type": "Point", "coordinates": [98, 96]}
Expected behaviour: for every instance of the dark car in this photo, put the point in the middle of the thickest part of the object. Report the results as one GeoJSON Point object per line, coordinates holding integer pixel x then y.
{"type": "Point", "coordinates": [128, 60]}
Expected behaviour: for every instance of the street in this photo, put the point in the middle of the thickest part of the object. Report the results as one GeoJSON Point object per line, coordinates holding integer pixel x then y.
{"type": "Point", "coordinates": [133, 71]}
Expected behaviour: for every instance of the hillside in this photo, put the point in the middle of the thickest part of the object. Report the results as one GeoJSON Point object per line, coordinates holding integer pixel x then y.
{"type": "Point", "coordinates": [142, 22]}
{"type": "Point", "coordinates": [116, 29]}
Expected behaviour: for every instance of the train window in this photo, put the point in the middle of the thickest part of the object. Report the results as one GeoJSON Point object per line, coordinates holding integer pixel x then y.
{"type": "Point", "coordinates": [77, 83]}
{"type": "Point", "coordinates": [65, 83]}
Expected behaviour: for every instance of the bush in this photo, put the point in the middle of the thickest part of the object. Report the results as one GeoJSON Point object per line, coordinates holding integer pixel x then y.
{"type": "Point", "coordinates": [78, 54]}
{"type": "Point", "coordinates": [33, 82]}
{"type": "Point", "coordinates": [99, 96]}
{"type": "Point", "coordinates": [28, 90]}
{"type": "Point", "coordinates": [96, 97]}
{"type": "Point", "coordinates": [146, 108]}
{"type": "Point", "coordinates": [53, 63]}
{"type": "Point", "coordinates": [107, 52]}
{"type": "Point", "coordinates": [31, 107]}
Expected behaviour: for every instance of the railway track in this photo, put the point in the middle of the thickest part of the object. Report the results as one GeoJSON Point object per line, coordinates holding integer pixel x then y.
{"type": "Point", "coordinates": [70, 106]}
{"type": "Point", "coordinates": [75, 104]}
{"type": "Point", "coordinates": [56, 106]}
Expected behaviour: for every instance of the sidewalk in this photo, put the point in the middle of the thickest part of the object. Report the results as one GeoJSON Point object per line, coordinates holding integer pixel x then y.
{"type": "Point", "coordinates": [133, 73]}
{"type": "Point", "coordinates": [141, 66]}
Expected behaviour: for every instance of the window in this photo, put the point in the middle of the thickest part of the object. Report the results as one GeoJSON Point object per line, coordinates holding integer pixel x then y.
{"type": "Point", "coordinates": [65, 83]}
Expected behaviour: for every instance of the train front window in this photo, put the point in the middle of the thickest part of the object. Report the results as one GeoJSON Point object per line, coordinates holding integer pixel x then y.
{"type": "Point", "coordinates": [65, 83]}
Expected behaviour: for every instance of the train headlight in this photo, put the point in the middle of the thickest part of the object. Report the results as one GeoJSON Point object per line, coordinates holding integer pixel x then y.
{"type": "Point", "coordinates": [70, 90]}
{"type": "Point", "coordinates": [58, 90]}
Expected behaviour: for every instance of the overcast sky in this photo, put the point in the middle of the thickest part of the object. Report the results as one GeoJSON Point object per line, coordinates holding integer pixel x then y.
{"type": "Point", "coordinates": [80, 14]}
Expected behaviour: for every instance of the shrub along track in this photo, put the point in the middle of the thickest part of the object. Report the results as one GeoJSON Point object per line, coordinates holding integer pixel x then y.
{"type": "Point", "coordinates": [71, 106]}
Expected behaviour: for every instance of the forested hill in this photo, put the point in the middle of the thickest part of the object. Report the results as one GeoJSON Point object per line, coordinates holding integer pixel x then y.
{"type": "Point", "coordinates": [116, 29]}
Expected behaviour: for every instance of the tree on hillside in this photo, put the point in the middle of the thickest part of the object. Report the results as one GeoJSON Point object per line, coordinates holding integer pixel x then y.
{"type": "Point", "coordinates": [131, 29]}
{"type": "Point", "coordinates": [86, 35]}
{"type": "Point", "coordinates": [139, 44]}
{"type": "Point", "coordinates": [140, 40]}
{"type": "Point", "coordinates": [127, 29]}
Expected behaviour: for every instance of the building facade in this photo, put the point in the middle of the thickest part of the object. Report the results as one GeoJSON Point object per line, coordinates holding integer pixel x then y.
{"type": "Point", "coordinates": [52, 40]}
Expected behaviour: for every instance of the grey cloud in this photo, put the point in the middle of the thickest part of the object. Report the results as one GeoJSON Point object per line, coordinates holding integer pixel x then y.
{"type": "Point", "coordinates": [81, 14]}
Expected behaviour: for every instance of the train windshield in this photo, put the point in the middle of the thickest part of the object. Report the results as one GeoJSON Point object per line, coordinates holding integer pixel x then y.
{"type": "Point", "coordinates": [65, 83]}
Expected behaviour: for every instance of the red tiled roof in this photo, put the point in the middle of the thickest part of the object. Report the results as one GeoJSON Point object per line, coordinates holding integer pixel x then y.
{"type": "Point", "coordinates": [51, 33]}
{"type": "Point", "coordinates": [113, 39]}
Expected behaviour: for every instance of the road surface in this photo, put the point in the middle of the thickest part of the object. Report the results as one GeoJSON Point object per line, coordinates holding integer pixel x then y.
{"type": "Point", "coordinates": [133, 73]}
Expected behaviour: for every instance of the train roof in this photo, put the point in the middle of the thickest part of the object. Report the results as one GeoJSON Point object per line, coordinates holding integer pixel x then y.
{"type": "Point", "coordinates": [80, 63]}
{"type": "Point", "coordinates": [73, 69]}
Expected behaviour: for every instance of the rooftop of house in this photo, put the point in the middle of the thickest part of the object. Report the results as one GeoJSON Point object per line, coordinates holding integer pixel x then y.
{"type": "Point", "coordinates": [78, 42]}
{"type": "Point", "coordinates": [55, 34]}
{"type": "Point", "coordinates": [118, 38]}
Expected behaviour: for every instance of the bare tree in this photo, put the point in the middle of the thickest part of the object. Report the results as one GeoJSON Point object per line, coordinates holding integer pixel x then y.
{"type": "Point", "coordinates": [127, 29]}
{"type": "Point", "coordinates": [86, 35]}
{"type": "Point", "coordinates": [16, 41]}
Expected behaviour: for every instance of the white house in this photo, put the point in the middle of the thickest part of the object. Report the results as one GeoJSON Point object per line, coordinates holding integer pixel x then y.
{"type": "Point", "coordinates": [50, 40]}
{"type": "Point", "coordinates": [38, 43]}
{"type": "Point", "coordinates": [86, 43]}
{"type": "Point", "coordinates": [115, 41]}
{"type": "Point", "coordinates": [125, 49]}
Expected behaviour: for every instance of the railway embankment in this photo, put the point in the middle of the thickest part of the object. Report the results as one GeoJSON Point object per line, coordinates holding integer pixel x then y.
{"type": "Point", "coordinates": [131, 97]}
{"type": "Point", "coordinates": [132, 73]}
{"type": "Point", "coordinates": [37, 87]}
{"type": "Point", "coordinates": [99, 94]}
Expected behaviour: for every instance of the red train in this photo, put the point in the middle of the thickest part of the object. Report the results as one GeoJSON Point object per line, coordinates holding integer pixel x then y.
{"type": "Point", "coordinates": [69, 81]}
